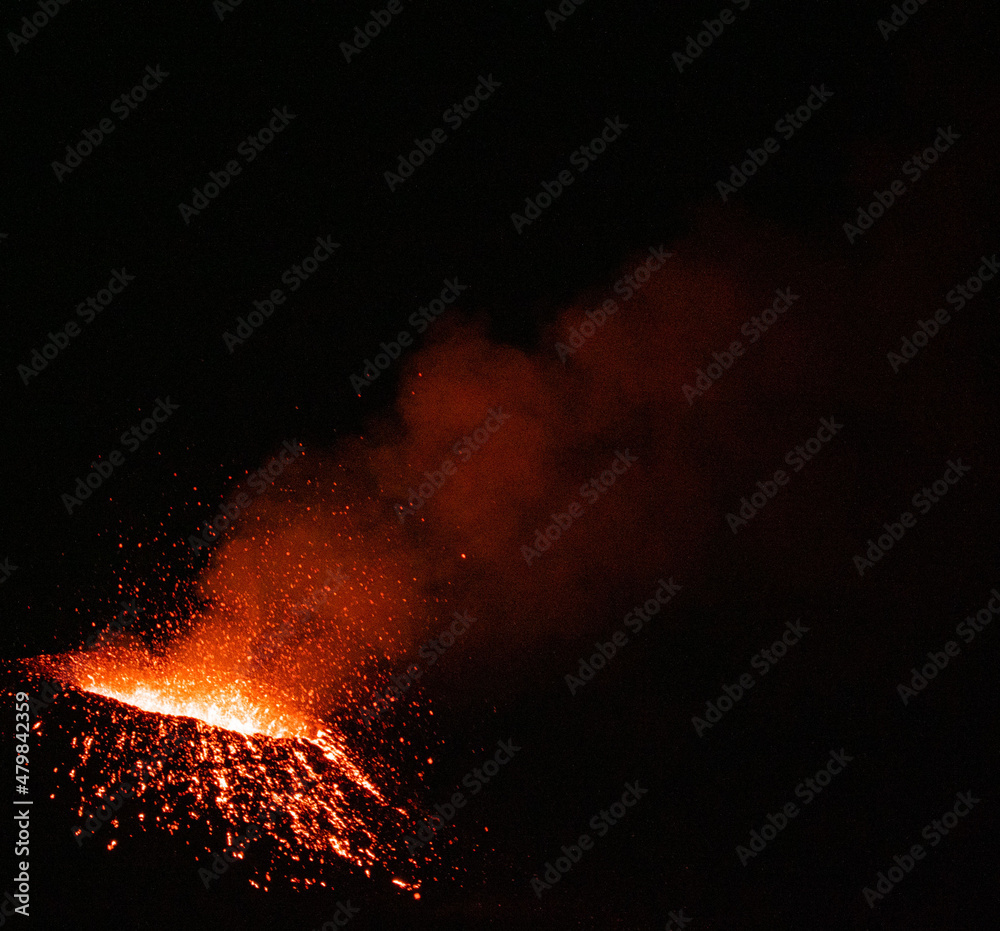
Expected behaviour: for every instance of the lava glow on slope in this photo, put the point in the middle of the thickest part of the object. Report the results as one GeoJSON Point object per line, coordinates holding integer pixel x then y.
{"type": "Point", "coordinates": [223, 751]}
{"type": "Point", "coordinates": [230, 706]}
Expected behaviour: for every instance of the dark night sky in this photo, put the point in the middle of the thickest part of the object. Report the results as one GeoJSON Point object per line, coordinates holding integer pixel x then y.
{"type": "Point", "coordinates": [223, 75]}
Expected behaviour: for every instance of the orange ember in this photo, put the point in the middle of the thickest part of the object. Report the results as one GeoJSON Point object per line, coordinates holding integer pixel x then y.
{"type": "Point", "coordinates": [232, 752]}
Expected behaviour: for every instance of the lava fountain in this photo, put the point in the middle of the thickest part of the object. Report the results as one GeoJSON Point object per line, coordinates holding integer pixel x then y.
{"type": "Point", "coordinates": [244, 714]}
{"type": "Point", "coordinates": [223, 751]}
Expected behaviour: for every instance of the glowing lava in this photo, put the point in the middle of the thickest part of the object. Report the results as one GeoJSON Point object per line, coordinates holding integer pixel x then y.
{"type": "Point", "coordinates": [231, 754]}
{"type": "Point", "coordinates": [229, 709]}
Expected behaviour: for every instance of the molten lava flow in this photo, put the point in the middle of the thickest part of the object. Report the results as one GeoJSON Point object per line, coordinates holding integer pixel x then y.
{"type": "Point", "coordinates": [230, 708]}
{"type": "Point", "coordinates": [196, 745]}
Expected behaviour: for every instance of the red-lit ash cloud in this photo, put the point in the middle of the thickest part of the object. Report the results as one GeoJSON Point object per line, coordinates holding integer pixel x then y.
{"type": "Point", "coordinates": [253, 680]}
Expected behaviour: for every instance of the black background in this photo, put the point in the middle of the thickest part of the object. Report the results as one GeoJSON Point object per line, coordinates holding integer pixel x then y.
{"type": "Point", "coordinates": [324, 175]}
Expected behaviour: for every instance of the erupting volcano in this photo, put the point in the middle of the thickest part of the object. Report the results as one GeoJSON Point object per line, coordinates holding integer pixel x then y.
{"type": "Point", "coordinates": [243, 714]}
{"type": "Point", "coordinates": [183, 748]}
{"type": "Point", "coordinates": [255, 698]}
{"type": "Point", "coordinates": [251, 701]}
